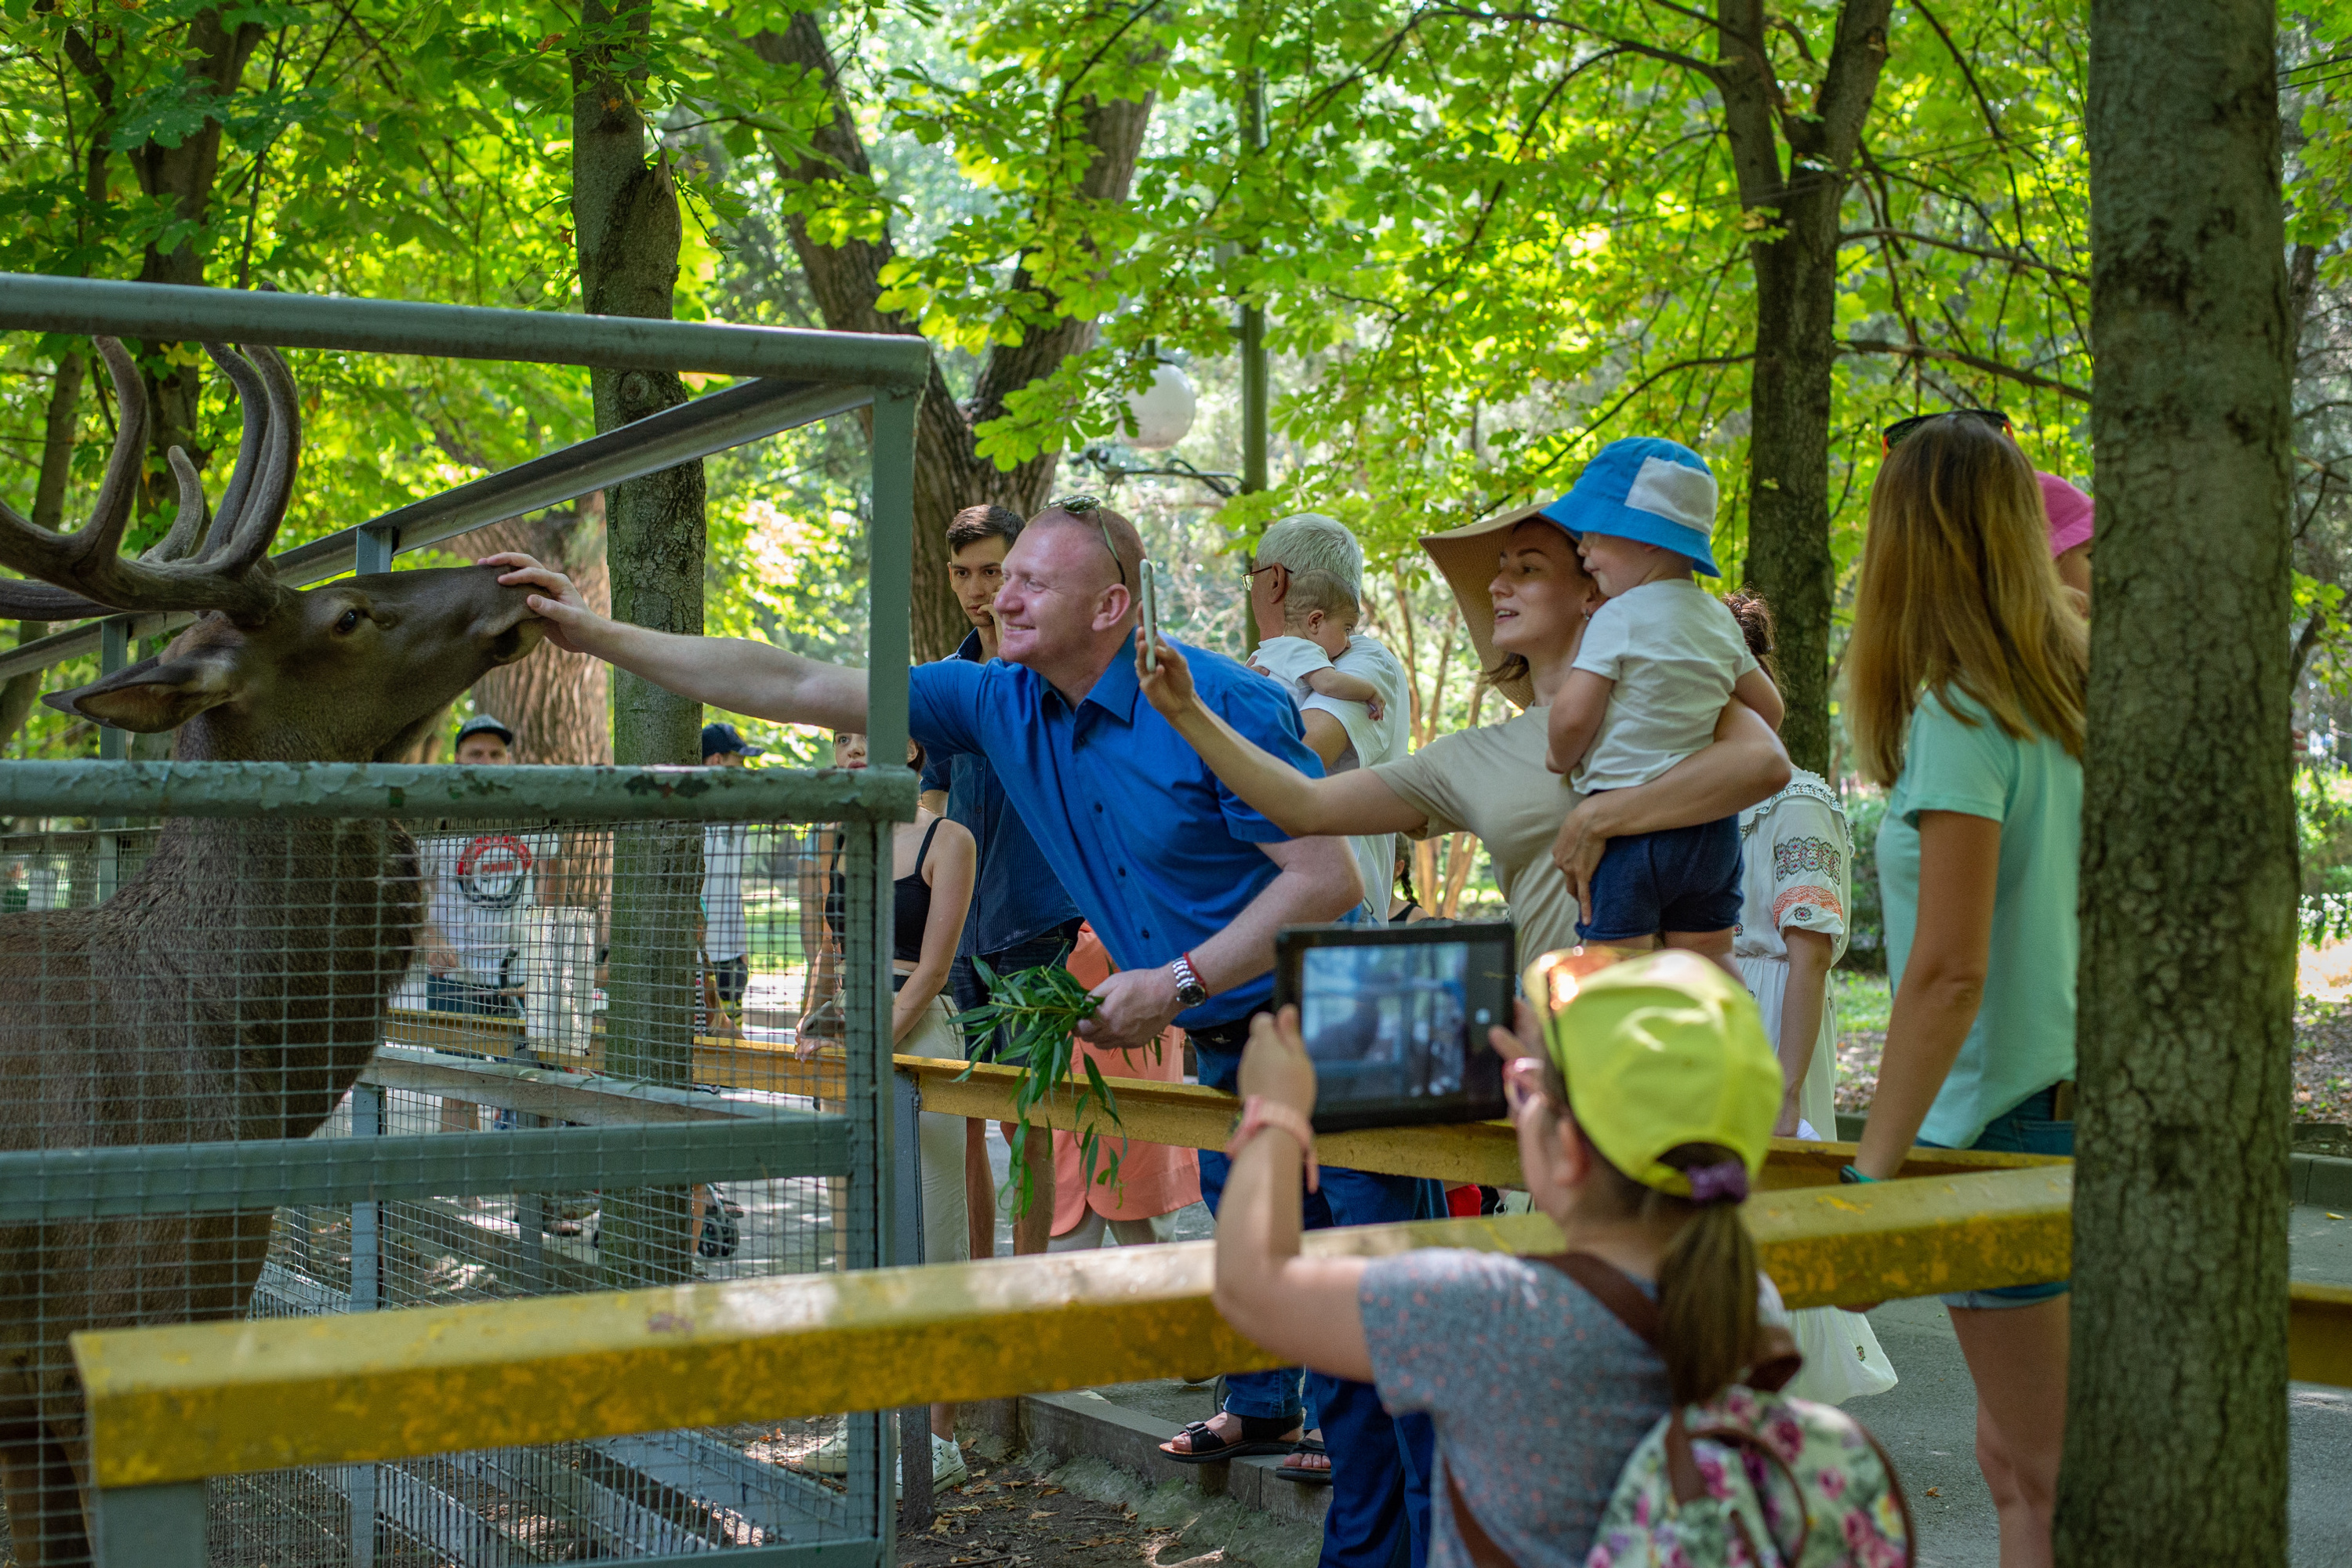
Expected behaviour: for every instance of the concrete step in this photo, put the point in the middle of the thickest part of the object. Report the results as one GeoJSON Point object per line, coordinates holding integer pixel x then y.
{"type": "Point", "coordinates": [1090, 1424]}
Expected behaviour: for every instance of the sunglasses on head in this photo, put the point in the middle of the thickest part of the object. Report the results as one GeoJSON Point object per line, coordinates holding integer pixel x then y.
{"type": "Point", "coordinates": [1902, 430]}
{"type": "Point", "coordinates": [1089, 507]}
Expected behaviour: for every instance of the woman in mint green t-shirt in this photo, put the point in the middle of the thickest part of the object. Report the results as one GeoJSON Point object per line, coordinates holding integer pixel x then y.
{"type": "Point", "coordinates": [1966, 676]}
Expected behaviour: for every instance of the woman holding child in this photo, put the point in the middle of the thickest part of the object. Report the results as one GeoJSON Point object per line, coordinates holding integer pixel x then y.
{"type": "Point", "coordinates": [1966, 678]}
{"type": "Point", "coordinates": [1526, 598]}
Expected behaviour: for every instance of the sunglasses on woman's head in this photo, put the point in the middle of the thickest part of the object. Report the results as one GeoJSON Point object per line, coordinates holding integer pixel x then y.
{"type": "Point", "coordinates": [1902, 430]}
{"type": "Point", "coordinates": [1088, 507]}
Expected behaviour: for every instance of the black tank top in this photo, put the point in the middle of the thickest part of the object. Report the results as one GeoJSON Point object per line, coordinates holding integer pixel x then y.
{"type": "Point", "coordinates": [910, 904]}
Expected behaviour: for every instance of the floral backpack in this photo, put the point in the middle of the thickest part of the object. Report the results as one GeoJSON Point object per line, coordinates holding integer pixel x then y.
{"type": "Point", "coordinates": [1752, 1478]}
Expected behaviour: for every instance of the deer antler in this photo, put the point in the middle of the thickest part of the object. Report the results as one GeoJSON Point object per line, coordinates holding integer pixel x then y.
{"type": "Point", "coordinates": [195, 567]}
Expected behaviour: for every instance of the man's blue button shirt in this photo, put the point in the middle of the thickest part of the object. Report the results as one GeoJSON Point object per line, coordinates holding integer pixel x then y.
{"type": "Point", "coordinates": [1158, 855]}
{"type": "Point", "coordinates": [1015, 895]}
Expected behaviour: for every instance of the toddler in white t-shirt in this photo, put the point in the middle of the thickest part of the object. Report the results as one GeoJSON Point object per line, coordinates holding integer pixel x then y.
{"type": "Point", "coordinates": [1317, 613]}
{"type": "Point", "coordinates": [1657, 664]}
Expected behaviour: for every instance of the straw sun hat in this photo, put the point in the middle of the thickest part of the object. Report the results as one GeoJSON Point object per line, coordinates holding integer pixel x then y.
{"type": "Point", "coordinates": [1467, 557]}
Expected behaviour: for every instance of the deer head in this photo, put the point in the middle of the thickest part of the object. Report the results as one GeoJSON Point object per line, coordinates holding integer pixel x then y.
{"type": "Point", "coordinates": [344, 672]}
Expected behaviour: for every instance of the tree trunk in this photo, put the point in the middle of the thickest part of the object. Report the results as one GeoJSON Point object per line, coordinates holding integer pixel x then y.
{"type": "Point", "coordinates": [60, 422]}
{"type": "Point", "coordinates": [1795, 263]}
{"type": "Point", "coordinates": [626, 215]}
{"type": "Point", "coordinates": [560, 703]}
{"type": "Point", "coordinates": [182, 173]}
{"type": "Point", "coordinates": [949, 474]}
{"type": "Point", "coordinates": [2177, 1435]}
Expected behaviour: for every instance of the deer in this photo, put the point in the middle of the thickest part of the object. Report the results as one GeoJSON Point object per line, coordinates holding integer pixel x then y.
{"type": "Point", "coordinates": [234, 987]}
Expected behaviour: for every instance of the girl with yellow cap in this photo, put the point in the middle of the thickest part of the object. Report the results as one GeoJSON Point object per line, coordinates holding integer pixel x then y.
{"type": "Point", "coordinates": [1643, 1106]}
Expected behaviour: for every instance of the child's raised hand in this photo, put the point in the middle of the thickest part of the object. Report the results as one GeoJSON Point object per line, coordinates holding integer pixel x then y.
{"type": "Point", "coordinates": [1169, 687]}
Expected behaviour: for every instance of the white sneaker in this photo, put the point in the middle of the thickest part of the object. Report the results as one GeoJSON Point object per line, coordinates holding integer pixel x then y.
{"type": "Point", "coordinates": [832, 1456]}
{"type": "Point", "coordinates": [947, 1463]}
{"type": "Point", "coordinates": [948, 1468]}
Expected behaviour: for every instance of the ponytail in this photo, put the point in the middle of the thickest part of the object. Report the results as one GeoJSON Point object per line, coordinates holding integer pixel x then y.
{"type": "Point", "coordinates": [1706, 1291]}
{"type": "Point", "coordinates": [1709, 1334]}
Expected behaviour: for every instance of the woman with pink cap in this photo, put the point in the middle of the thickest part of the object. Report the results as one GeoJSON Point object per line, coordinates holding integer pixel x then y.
{"type": "Point", "coordinates": [2069, 512]}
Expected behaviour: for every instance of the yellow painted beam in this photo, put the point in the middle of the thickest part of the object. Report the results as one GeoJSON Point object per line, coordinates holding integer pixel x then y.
{"type": "Point", "coordinates": [174, 1404]}
{"type": "Point", "coordinates": [1182, 1114]}
{"type": "Point", "coordinates": [1191, 1116]}
{"type": "Point", "coordinates": [2319, 1333]}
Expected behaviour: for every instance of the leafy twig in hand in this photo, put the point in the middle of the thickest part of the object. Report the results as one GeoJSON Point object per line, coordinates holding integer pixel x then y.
{"type": "Point", "coordinates": [1039, 1011]}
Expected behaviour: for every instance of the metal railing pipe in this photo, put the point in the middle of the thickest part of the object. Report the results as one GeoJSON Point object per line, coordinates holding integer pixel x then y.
{"type": "Point", "coordinates": [178, 313]}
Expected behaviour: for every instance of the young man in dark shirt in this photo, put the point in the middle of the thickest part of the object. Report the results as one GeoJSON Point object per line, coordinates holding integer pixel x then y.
{"type": "Point", "coordinates": [1021, 918]}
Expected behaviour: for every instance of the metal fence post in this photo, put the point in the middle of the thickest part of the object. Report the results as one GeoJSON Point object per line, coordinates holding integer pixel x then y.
{"type": "Point", "coordinates": [865, 1005]}
{"type": "Point", "coordinates": [373, 550]}
{"type": "Point", "coordinates": [367, 1295]}
{"type": "Point", "coordinates": [151, 1527]}
{"type": "Point", "coordinates": [917, 1506]}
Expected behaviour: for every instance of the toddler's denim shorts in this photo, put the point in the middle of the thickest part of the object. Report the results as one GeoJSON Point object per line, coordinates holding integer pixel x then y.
{"type": "Point", "coordinates": [1675, 880]}
{"type": "Point", "coordinates": [2025, 1129]}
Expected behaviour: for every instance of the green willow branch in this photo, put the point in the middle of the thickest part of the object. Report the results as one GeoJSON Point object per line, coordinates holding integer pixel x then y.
{"type": "Point", "coordinates": [1039, 1011]}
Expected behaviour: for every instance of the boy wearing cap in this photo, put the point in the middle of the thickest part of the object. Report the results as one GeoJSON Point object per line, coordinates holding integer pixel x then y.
{"type": "Point", "coordinates": [726, 845]}
{"type": "Point", "coordinates": [1658, 661]}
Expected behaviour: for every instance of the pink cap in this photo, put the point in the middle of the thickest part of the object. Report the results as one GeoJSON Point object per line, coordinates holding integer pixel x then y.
{"type": "Point", "coordinates": [2070, 513]}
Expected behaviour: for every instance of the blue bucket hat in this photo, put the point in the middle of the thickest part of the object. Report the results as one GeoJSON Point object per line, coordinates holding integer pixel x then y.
{"type": "Point", "coordinates": [1659, 492]}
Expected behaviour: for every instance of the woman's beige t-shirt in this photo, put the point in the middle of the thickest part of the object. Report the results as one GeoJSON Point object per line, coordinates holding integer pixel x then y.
{"type": "Point", "coordinates": [1492, 783]}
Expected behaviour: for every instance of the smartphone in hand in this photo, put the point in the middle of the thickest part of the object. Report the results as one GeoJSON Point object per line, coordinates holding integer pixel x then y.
{"type": "Point", "coordinates": [1148, 580]}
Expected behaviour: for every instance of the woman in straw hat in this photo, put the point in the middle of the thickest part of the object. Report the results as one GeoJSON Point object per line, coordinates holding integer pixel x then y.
{"type": "Point", "coordinates": [1524, 597]}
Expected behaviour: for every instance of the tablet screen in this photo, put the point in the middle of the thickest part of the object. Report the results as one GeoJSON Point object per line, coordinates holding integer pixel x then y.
{"type": "Point", "coordinates": [1388, 1023]}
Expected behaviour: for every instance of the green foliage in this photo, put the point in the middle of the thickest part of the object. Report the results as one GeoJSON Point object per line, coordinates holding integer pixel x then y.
{"type": "Point", "coordinates": [2323, 820]}
{"type": "Point", "coordinates": [1039, 1011]}
{"type": "Point", "coordinates": [1866, 947]}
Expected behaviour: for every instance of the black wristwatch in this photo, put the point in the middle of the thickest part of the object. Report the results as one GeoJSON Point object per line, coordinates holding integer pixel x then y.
{"type": "Point", "coordinates": [1190, 991]}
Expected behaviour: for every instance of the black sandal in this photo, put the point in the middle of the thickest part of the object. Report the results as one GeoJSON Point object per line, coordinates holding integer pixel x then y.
{"type": "Point", "coordinates": [1260, 1434]}
{"type": "Point", "coordinates": [1300, 1473]}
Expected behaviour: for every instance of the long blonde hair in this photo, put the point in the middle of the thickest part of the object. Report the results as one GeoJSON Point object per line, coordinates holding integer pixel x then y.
{"type": "Point", "coordinates": [1958, 592]}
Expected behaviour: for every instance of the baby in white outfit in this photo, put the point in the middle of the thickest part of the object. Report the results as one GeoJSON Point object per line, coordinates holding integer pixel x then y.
{"type": "Point", "coordinates": [1317, 613]}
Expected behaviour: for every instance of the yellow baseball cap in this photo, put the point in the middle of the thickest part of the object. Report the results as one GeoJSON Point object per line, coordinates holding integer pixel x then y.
{"type": "Point", "coordinates": [1658, 1051]}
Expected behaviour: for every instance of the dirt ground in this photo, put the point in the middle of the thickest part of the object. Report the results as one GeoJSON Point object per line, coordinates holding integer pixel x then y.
{"type": "Point", "coordinates": [2323, 1066]}
{"type": "Point", "coordinates": [1085, 1515]}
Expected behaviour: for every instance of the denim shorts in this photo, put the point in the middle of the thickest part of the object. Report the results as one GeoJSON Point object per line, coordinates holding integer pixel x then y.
{"type": "Point", "coordinates": [1675, 880]}
{"type": "Point", "coordinates": [2027, 1129]}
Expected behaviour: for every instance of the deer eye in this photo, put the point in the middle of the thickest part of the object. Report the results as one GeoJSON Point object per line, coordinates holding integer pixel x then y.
{"type": "Point", "coordinates": [349, 623]}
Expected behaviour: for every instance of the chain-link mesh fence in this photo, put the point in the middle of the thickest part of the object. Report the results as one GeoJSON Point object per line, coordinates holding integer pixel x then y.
{"type": "Point", "coordinates": [285, 1065]}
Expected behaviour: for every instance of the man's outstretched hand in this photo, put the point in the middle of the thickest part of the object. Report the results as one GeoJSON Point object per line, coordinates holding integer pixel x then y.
{"type": "Point", "coordinates": [557, 602]}
{"type": "Point", "coordinates": [1170, 687]}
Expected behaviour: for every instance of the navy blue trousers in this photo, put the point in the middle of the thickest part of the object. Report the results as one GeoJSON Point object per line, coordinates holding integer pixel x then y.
{"type": "Point", "coordinates": [1381, 1464]}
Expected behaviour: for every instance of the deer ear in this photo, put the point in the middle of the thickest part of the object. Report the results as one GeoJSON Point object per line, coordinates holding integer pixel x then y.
{"type": "Point", "coordinates": [150, 696]}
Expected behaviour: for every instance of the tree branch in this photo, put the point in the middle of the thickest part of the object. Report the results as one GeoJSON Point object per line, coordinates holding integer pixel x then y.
{"type": "Point", "coordinates": [2014, 257]}
{"type": "Point", "coordinates": [1974, 361]}
{"type": "Point", "coordinates": [1984, 104]}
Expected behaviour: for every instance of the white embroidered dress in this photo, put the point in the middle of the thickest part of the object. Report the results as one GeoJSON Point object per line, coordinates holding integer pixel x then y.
{"type": "Point", "coordinates": [1796, 870]}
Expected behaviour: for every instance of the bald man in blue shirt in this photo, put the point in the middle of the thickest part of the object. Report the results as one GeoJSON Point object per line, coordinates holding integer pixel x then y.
{"type": "Point", "coordinates": [1184, 883]}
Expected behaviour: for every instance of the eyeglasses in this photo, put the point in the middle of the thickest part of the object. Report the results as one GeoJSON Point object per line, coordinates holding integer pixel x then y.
{"type": "Point", "coordinates": [1902, 430]}
{"type": "Point", "coordinates": [1087, 506]}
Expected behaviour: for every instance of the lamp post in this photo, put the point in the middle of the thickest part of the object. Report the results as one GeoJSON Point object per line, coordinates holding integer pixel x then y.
{"type": "Point", "coordinates": [1253, 340]}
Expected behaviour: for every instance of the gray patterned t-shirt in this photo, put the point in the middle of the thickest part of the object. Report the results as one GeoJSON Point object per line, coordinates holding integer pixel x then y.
{"type": "Point", "coordinates": [1537, 1391]}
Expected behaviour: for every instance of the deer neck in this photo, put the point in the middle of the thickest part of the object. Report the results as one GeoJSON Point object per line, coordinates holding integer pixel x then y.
{"type": "Point", "coordinates": [297, 928]}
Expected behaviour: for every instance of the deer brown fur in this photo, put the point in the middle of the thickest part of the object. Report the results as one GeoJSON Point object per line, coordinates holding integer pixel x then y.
{"type": "Point", "coordinates": [236, 987]}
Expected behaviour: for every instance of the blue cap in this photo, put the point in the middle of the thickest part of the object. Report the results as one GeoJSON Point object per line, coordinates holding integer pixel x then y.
{"type": "Point", "coordinates": [717, 740]}
{"type": "Point", "coordinates": [484, 724]}
{"type": "Point", "coordinates": [1659, 492]}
